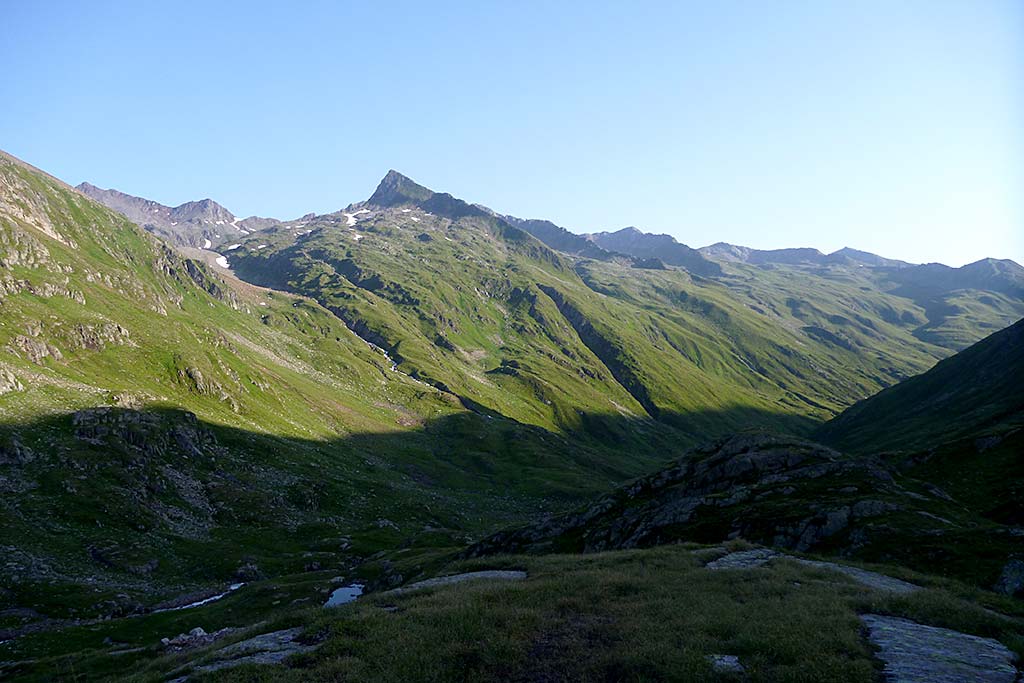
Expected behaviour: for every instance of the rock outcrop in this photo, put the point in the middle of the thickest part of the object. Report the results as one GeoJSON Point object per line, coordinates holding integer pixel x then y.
{"type": "Point", "coordinates": [778, 491]}
{"type": "Point", "coordinates": [916, 653]}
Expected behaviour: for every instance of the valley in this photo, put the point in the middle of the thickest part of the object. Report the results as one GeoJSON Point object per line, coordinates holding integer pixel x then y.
{"type": "Point", "coordinates": [196, 406]}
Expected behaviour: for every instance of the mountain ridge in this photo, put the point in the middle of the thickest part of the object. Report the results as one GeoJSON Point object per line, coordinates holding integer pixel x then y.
{"type": "Point", "coordinates": [962, 396]}
{"type": "Point", "coordinates": [396, 189]}
{"type": "Point", "coordinates": [188, 224]}
{"type": "Point", "coordinates": [665, 248]}
{"type": "Point", "coordinates": [356, 396]}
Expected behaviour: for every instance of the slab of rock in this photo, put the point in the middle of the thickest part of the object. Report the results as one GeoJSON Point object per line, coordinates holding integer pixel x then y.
{"type": "Point", "coordinates": [759, 557]}
{"type": "Point", "coordinates": [744, 559]}
{"type": "Point", "coordinates": [197, 637]}
{"type": "Point", "coordinates": [267, 648]}
{"type": "Point", "coordinates": [725, 664]}
{"type": "Point", "coordinates": [915, 653]}
{"type": "Point", "coordinates": [863, 576]}
{"type": "Point", "coordinates": [494, 574]}
{"type": "Point", "coordinates": [1011, 581]}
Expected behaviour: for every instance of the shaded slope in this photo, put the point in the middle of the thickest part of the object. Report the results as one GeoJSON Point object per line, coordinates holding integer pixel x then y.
{"type": "Point", "coordinates": [158, 428]}
{"type": "Point", "coordinates": [979, 389]}
{"type": "Point", "coordinates": [784, 492]}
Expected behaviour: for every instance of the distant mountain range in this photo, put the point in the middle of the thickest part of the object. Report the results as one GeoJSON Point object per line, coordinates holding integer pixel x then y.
{"type": "Point", "coordinates": [189, 402]}
{"type": "Point", "coordinates": [192, 224]}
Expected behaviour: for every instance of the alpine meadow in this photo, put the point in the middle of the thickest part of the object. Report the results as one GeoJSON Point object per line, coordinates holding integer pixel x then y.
{"type": "Point", "coordinates": [421, 439]}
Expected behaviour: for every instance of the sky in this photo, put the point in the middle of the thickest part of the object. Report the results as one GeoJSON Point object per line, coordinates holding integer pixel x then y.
{"type": "Point", "coordinates": [893, 127]}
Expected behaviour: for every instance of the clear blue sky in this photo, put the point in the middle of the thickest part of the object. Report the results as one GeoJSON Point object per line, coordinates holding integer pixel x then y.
{"type": "Point", "coordinates": [895, 127]}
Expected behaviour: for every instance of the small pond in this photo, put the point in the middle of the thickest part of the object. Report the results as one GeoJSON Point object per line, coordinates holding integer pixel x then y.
{"type": "Point", "coordinates": [345, 594]}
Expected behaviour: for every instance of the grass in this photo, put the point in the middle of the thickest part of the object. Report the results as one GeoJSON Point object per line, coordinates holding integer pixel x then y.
{"type": "Point", "coordinates": [528, 382]}
{"type": "Point", "coordinates": [641, 615]}
{"type": "Point", "coordinates": [974, 392]}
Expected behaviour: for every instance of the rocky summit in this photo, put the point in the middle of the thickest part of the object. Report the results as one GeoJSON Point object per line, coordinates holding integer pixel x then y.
{"type": "Point", "coordinates": [420, 439]}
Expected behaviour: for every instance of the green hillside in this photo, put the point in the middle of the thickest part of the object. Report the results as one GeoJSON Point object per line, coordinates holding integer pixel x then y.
{"type": "Point", "coordinates": [165, 430]}
{"type": "Point", "coordinates": [977, 392]}
{"type": "Point", "coordinates": [959, 426]}
{"type": "Point", "coordinates": [378, 392]}
{"type": "Point", "coordinates": [469, 303]}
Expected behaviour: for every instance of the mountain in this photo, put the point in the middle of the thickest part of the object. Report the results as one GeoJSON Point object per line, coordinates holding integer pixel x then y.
{"type": "Point", "coordinates": [410, 385]}
{"type": "Point", "coordinates": [375, 292]}
{"type": "Point", "coordinates": [560, 239]}
{"type": "Point", "coordinates": [793, 256]}
{"type": "Point", "coordinates": [1003, 276]}
{"type": "Point", "coordinates": [976, 392]}
{"type": "Point", "coordinates": [192, 224]}
{"type": "Point", "coordinates": [866, 258]}
{"type": "Point", "coordinates": [723, 251]}
{"type": "Point", "coordinates": [731, 252]}
{"type": "Point", "coordinates": [663, 247]}
{"type": "Point", "coordinates": [166, 428]}
{"type": "Point", "coordinates": [468, 303]}
{"type": "Point", "coordinates": [396, 191]}
{"type": "Point", "coordinates": [957, 302]}
{"type": "Point", "coordinates": [957, 482]}
{"type": "Point", "coordinates": [916, 281]}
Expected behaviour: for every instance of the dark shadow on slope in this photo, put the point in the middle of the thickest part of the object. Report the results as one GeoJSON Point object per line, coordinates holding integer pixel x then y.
{"type": "Point", "coordinates": [800, 496]}
{"type": "Point", "coordinates": [963, 395]}
{"type": "Point", "coordinates": [120, 508]}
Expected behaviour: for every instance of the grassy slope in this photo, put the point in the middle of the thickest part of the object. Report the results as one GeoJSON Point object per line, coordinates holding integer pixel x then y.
{"type": "Point", "coordinates": [629, 615]}
{"type": "Point", "coordinates": [978, 390]}
{"type": "Point", "coordinates": [798, 495]}
{"type": "Point", "coordinates": [308, 436]}
{"type": "Point", "coordinates": [958, 426]}
{"type": "Point", "coordinates": [314, 439]}
{"type": "Point", "coordinates": [482, 309]}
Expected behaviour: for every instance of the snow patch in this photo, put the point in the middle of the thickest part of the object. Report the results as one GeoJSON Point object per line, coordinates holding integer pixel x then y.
{"type": "Point", "coordinates": [352, 216]}
{"type": "Point", "coordinates": [207, 244]}
{"type": "Point", "coordinates": [415, 220]}
{"type": "Point", "coordinates": [262, 246]}
{"type": "Point", "coordinates": [357, 237]}
{"type": "Point", "coordinates": [222, 261]}
{"type": "Point", "coordinates": [233, 247]}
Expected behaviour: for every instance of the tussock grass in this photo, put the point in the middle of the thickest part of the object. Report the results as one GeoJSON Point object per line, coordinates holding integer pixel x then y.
{"type": "Point", "coordinates": [638, 615]}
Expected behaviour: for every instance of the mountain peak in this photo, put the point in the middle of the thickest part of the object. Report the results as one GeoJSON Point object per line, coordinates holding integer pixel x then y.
{"type": "Point", "coordinates": [396, 190]}
{"type": "Point", "coordinates": [634, 242]}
